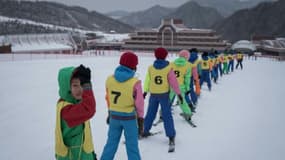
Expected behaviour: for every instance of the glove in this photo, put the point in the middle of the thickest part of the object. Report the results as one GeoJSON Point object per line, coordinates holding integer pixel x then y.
{"type": "Point", "coordinates": [180, 98]}
{"type": "Point", "coordinates": [108, 119]}
{"type": "Point", "coordinates": [140, 124]}
{"type": "Point", "coordinates": [84, 74]}
{"type": "Point", "coordinates": [144, 94]}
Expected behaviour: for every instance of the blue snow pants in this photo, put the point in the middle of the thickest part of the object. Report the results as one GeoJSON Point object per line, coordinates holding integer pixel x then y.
{"type": "Point", "coordinates": [206, 77]}
{"type": "Point", "coordinates": [192, 95]}
{"type": "Point", "coordinates": [216, 72]}
{"type": "Point", "coordinates": [220, 69]}
{"type": "Point", "coordinates": [231, 65]}
{"type": "Point", "coordinates": [164, 101]}
{"type": "Point", "coordinates": [116, 127]}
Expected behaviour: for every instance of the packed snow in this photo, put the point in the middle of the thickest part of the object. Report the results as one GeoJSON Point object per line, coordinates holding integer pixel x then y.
{"type": "Point", "coordinates": [242, 118]}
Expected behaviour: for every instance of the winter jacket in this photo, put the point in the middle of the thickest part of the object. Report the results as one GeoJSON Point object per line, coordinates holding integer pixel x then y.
{"type": "Point", "coordinates": [122, 79]}
{"type": "Point", "coordinates": [73, 138]}
{"type": "Point", "coordinates": [182, 70]}
{"type": "Point", "coordinates": [163, 67]}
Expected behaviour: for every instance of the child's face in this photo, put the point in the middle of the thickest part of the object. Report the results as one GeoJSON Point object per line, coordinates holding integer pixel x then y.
{"type": "Point", "coordinates": [76, 89]}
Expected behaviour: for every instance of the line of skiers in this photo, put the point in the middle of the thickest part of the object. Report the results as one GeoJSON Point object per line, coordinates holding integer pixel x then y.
{"type": "Point", "coordinates": [125, 100]}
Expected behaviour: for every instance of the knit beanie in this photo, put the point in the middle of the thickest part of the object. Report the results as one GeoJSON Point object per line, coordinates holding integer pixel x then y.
{"type": "Point", "coordinates": [185, 54]}
{"type": "Point", "coordinates": [129, 59]}
{"type": "Point", "coordinates": [160, 53]}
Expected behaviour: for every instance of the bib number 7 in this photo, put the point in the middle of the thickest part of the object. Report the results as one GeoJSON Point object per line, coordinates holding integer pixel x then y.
{"type": "Point", "coordinates": [117, 95]}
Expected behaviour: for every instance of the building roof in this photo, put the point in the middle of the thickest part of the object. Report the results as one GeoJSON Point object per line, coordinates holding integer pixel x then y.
{"type": "Point", "coordinates": [39, 42]}
{"type": "Point", "coordinates": [244, 45]}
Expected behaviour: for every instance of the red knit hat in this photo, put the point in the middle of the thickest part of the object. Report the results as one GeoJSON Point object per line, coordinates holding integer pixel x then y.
{"type": "Point", "coordinates": [129, 59]}
{"type": "Point", "coordinates": [160, 53]}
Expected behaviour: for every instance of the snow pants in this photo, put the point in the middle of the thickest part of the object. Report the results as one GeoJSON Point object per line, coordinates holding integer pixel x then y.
{"type": "Point", "coordinates": [215, 73]}
{"type": "Point", "coordinates": [206, 77]}
{"type": "Point", "coordinates": [128, 124]}
{"type": "Point", "coordinates": [239, 63]}
{"type": "Point", "coordinates": [225, 68]}
{"type": "Point", "coordinates": [184, 106]}
{"type": "Point", "coordinates": [193, 94]}
{"type": "Point", "coordinates": [164, 101]}
{"type": "Point", "coordinates": [231, 66]}
{"type": "Point", "coordinates": [220, 69]}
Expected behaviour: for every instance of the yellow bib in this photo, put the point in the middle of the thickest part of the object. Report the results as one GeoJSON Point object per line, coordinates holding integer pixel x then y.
{"type": "Point", "coordinates": [239, 56]}
{"type": "Point", "coordinates": [158, 80]}
{"type": "Point", "coordinates": [121, 94]}
{"type": "Point", "coordinates": [226, 59]}
{"type": "Point", "coordinates": [205, 64]}
{"type": "Point", "coordinates": [230, 57]}
{"type": "Point", "coordinates": [180, 72]}
{"type": "Point", "coordinates": [195, 64]}
{"type": "Point", "coordinates": [60, 148]}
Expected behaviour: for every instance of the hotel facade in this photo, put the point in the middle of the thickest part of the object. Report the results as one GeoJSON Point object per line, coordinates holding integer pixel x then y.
{"type": "Point", "coordinates": [173, 35]}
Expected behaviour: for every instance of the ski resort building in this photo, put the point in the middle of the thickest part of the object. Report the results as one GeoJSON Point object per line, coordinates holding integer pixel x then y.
{"type": "Point", "coordinates": [173, 35]}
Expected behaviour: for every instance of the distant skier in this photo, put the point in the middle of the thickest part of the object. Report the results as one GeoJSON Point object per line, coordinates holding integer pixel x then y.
{"type": "Point", "coordinates": [159, 78]}
{"type": "Point", "coordinates": [194, 60]}
{"type": "Point", "coordinates": [231, 62]}
{"type": "Point", "coordinates": [225, 63]}
{"type": "Point", "coordinates": [75, 108]}
{"type": "Point", "coordinates": [239, 60]}
{"type": "Point", "coordinates": [126, 107]}
{"type": "Point", "coordinates": [205, 70]}
{"type": "Point", "coordinates": [214, 67]}
{"type": "Point", "coordinates": [219, 63]}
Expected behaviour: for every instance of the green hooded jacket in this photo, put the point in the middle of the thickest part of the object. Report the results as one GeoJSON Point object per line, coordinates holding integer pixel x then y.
{"type": "Point", "coordinates": [74, 136]}
{"type": "Point", "coordinates": [182, 62]}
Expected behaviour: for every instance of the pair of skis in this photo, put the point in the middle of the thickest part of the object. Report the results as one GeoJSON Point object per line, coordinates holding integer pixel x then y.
{"type": "Point", "coordinates": [190, 122]}
{"type": "Point", "coordinates": [151, 134]}
{"type": "Point", "coordinates": [171, 146]}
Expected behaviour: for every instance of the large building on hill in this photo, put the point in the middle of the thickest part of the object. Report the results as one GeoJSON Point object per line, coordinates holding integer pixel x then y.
{"type": "Point", "coordinates": [173, 35]}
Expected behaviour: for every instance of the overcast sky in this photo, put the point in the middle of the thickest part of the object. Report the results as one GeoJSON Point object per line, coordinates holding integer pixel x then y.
{"type": "Point", "coordinates": [104, 6]}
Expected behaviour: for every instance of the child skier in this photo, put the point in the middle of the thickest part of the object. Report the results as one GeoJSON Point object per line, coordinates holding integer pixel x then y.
{"type": "Point", "coordinates": [182, 70]}
{"type": "Point", "coordinates": [219, 62]}
{"type": "Point", "coordinates": [159, 78]}
{"type": "Point", "coordinates": [239, 60]}
{"type": "Point", "coordinates": [73, 138]}
{"type": "Point", "coordinates": [231, 62]}
{"type": "Point", "coordinates": [126, 108]}
{"type": "Point", "coordinates": [194, 60]}
{"type": "Point", "coordinates": [205, 70]}
{"type": "Point", "coordinates": [225, 63]}
{"type": "Point", "coordinates": [215, 70]}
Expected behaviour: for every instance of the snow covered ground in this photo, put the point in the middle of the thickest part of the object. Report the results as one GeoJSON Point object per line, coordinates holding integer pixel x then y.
{"type": "Point", "coordinates": [242, 118]}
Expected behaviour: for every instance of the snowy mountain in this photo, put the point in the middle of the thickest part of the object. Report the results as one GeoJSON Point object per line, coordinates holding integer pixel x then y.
{"type": "Point", "coordinates": [228, 7]}
{"type": "Point", "coordinates": [265, 19]}
{"type": "Point", "coordinates": [191, 13]}
{"type": "Point", "coordinates": [61, 15]}
{"type": "Point", "coordinates": [117, 14]}
{"type": "Point", "coordinates": [149, 18]}
{"type": "Point", "coordinates": [196, 16]}
{"type": "Point", "coordinates": [242, 118]}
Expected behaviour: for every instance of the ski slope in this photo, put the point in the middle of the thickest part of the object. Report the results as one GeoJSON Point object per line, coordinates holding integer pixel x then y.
{"type": "Point", "coordinates": [242, 118]}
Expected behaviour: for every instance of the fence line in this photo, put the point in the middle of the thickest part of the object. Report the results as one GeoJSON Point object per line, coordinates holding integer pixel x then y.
{"type": "Point", "coordinates": [93, 53]}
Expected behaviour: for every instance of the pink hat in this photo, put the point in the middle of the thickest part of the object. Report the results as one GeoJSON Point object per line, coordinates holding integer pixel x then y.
{"type": "Point", "coordinates": [185, 54]}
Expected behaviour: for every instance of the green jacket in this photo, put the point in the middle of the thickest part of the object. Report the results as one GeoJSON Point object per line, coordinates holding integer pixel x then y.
{"type": "Point", "coordinates": [74, 136]}
{"type": "Point", "coordinates": [180, 62]}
